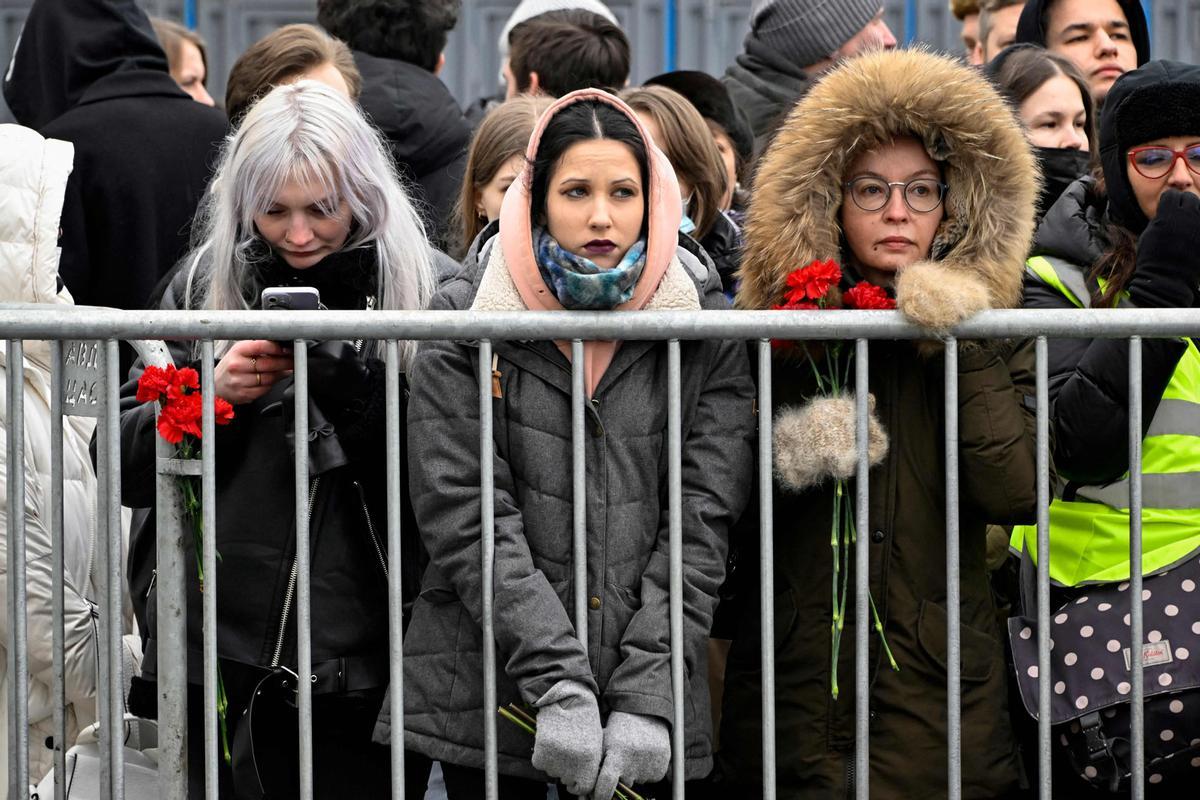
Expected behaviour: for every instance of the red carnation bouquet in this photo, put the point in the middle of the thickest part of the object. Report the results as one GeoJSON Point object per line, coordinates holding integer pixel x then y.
{"type": "Point", "coordinates": [816, 288]}
{"type": "Point", "coordinates": [180, 406]}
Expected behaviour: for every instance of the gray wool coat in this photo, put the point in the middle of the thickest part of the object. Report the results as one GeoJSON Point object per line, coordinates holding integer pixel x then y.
{"type": "Point", "coordinates": [627, 661]}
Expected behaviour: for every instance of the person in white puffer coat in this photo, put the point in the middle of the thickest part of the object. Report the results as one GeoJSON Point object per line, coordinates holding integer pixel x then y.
{"type": "Point", "coordinates": [33, 177]}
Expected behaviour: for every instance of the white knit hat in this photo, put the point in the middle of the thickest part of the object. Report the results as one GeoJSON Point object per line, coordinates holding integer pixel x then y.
{"type": "Point", "coordinates": [528, 9]}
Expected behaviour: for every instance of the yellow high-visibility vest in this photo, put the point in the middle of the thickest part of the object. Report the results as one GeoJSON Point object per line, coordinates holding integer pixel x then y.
{"type": "Point", "coordinates": [1089, 535]}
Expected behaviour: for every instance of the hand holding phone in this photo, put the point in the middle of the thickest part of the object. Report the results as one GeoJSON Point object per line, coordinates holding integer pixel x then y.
{"type": "Point", "coordinates": [250, 368]}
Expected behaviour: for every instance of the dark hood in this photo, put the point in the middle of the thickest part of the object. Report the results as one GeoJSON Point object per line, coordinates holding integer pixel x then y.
{"type": "Point", "coordinates": [68, 46]}
{"type": "Point", "coordinates": [1031, 27]}
{"type": "Point", "coordinates": [416, 112]}
{"type": "Point", "coordinates": [1073, 228]}
{"type": "Point", "coordinates": [1159, 99]}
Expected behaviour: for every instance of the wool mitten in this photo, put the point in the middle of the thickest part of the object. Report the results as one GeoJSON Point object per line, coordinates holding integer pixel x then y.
{"type": "Point", "coordinates": [637, 749]}
{"type": "Point", "coordinates": [816, 441]}
{"type": "Point", "coordinates": [1168, 254]}
{"type": "Point", "coordinates": [569, 741]}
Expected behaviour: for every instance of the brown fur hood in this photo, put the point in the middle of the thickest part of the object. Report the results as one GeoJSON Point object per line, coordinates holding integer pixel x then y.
{"type": "Point", "coordinates": [979, 253]}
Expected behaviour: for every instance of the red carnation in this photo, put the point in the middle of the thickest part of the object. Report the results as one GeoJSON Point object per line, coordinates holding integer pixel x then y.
{"type": "Point", "coordinates": [181, 381]}
{"type": "Point", "coordinates": [812, 282]}
{"type": "Point", "coordinates": [181, 415]}
{"type": "Point", "coordinates": [868, 297]}
{"type": "Point", "coordinates": [223, 411]}
{"type": "Point", "coordinates": [153, 383]}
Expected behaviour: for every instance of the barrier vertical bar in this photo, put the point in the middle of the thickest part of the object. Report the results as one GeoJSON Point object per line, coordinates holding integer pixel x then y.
{"type": "Point", "coordinates": [1137, 732]}
{"type": "Point", "coordinates": [114, 584]}
{"type": "Point", "coordinates": [395, 515]}
{"type": "Point", "coordinates": [208, 513]}
{"type": "Point", "coordinates": [171, 631]}
{"type": "Point", "coordinates": [58, 697]}
{"type": "Point", "coordinates": [1043, 570]}
{"type": "Point", "coordinates": [18, 648]}
{"type": "Point", "coordinates": [487, 521]}
{"type": "Point", "coordinates": [766, 564]}
{"type": "Point", "coordinates": [862, 577]}
{"type": "Point", "coordinates": [579, 494]}
{"type": "Point", "coordinates": [104, 699]}
{"type": "Point", "coordinates": [304, 499]}
{"type": "Point", "coordinates": [953, 609]}
{"type": "Point", "coordinates": [675, 542]}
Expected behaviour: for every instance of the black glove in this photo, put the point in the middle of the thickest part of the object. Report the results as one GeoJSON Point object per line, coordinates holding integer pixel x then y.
{"type": "Point", "coordinates": [1168, 254]}
{"type": "Point", "coordinates": [339, 379]}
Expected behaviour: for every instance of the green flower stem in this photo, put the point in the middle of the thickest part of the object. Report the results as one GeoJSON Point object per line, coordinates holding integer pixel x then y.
{"type": "Point", "coordinates": [191, 508]}
{"type": "Point", "coordinates": [882, 638]}
{"type": "Point", "coordinates": [514, 719]}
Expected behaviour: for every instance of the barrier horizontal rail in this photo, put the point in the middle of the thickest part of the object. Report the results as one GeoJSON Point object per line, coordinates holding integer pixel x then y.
{"type": "Point", "coordinates": [32, 322]}
{"type": "Point", "coordinates": [39, 322]}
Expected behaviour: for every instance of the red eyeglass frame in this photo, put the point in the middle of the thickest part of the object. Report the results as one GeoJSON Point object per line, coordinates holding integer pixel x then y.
{"type": "Point", "coordinates": [1175, 156]}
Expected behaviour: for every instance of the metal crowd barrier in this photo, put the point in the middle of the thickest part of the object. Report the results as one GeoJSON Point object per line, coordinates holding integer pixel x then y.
{"type": "Point", "coordinates": [102, 328]}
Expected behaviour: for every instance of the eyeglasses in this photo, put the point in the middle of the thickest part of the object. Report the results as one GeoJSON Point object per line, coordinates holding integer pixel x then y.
{"type": "Point", "coordinates": [922, 195]}
{"type": "Point", "coordinates": [1156, 162]}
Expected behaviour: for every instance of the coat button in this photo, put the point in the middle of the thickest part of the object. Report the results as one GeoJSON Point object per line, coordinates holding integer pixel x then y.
{"type": "Point", "coordinates": [877, 536]}
{"type": "Point", "coordinates": [594, 603]}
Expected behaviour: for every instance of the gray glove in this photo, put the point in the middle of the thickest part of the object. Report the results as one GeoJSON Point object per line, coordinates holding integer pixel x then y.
{"type": "Point", "coordinates": [569, 738]}
{"type": "Point", "coordinates": [637, 749]}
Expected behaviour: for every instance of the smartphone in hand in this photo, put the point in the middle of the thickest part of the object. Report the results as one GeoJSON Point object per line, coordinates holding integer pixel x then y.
{"type": "Point", "coordinates": [290, 298]}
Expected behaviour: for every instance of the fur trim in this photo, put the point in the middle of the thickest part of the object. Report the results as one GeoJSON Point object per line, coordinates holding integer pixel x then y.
{"type": "Point", "coordinates": [817, 441]}
{"type": "Point", "coordinates": [990, 169]}
{"type": "Point", "coordinates": [938, 298]}
{"type": "Point", "coordinates": [497, 291]}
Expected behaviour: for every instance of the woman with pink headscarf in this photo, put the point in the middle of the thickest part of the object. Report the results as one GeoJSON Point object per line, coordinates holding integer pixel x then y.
{"type": "Point", "coordinates": [592, 223]}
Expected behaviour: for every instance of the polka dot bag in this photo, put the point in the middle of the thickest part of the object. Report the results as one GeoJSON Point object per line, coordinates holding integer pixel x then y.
{"type": "Point", "coordinates": [1090, 664]}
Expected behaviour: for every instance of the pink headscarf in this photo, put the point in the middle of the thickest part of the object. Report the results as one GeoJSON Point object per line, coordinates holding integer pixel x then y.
{"type": "Point", "coordinates": [664, 207]}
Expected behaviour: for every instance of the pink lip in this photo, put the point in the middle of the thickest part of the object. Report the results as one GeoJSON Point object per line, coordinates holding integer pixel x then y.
{"type": "Point", "coordinates": [600, 246]}
{"type": "Point", "coordinates": [1110, 69]}
{"type": "Point", "coordinates": [896, 242]}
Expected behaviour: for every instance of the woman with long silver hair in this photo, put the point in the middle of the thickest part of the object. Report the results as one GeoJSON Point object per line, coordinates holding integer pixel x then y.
{"type": "Point", "coordinates": [305, 197]}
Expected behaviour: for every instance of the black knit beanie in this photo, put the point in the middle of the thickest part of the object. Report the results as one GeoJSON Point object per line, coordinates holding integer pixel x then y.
{"type": "Point", "coordinates": [1031, 27]}
{"type": "Point", "coordinates": [1157, 100]}
{"type": "Point", "coordinates": [710, 97]}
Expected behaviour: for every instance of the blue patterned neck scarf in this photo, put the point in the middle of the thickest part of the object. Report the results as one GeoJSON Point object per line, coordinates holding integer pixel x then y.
{"type": "Point", "coordinates": [579, 283]}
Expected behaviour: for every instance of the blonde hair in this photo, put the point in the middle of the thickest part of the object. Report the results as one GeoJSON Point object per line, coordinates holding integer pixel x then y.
{"type": "Point", "coordinates": [307, 132]}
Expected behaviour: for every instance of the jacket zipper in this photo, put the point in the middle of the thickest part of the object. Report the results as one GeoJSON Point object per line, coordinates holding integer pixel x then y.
{"type": "Point", "coordinates": [850, 776]}
{"type": "Point", "coordinates": [594, 404]}
{"type": "Point", "coordinates": [362, 497]}
{"type": "Point", "coordinates": [291, 589]}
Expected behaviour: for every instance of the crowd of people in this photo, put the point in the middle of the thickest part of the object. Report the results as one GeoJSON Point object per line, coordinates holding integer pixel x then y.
{"type": "Point", "coordinates": [1052, 164]}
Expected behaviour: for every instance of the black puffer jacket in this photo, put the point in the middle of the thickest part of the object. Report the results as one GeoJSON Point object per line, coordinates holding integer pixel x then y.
{"type": "Point", "coordinates": [256, 508]}
{"type": "Point", "coordinates": [426, 129]}
{"type": "Point", "coordinates": [1089, 378]}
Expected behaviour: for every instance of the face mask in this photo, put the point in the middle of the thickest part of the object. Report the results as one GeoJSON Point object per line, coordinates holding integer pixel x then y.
{"type": "Point", "coordinates": [1060, 168]}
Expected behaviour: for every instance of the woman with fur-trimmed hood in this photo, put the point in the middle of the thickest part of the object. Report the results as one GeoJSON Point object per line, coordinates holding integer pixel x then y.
{"type": "Point", "coordinates": [908, 170]}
